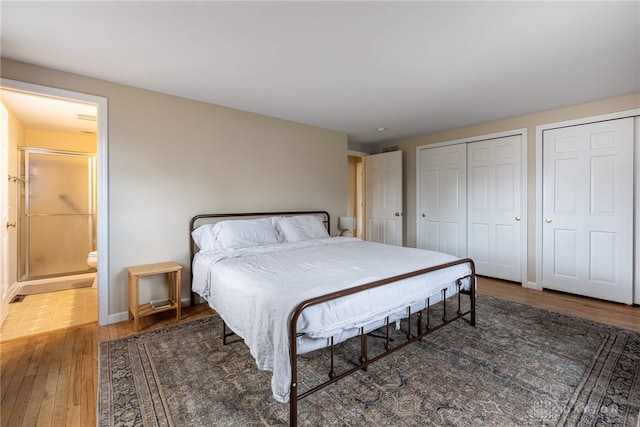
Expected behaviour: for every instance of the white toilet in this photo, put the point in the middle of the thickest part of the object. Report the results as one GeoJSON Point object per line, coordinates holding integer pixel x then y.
{"type": "Point", "coordinates": [92, 261]}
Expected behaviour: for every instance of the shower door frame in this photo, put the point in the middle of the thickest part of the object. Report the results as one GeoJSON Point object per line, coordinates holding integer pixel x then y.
{"type": "Point", "coordinates": [24, 212]}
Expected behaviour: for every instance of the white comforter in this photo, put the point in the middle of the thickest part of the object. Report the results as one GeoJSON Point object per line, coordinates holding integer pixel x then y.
{"type": "Point", "coordinates": [256, 289]}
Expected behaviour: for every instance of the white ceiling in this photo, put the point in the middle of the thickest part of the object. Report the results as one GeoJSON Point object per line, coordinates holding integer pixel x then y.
{"type": "Point", "coordinates": [413, 67]}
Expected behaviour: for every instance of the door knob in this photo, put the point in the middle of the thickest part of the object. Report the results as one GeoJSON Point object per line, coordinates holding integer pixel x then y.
{"type": "Point", "coordinates": [424, 216]}
{"type": "Point", "coordinates": [548, 220]}
{"type": "Point", "coordinates": [397, 214]}
{"type": "Point", "coordinates": [518, 218]}
{"type": "Point", "coordinates": [11, 224]}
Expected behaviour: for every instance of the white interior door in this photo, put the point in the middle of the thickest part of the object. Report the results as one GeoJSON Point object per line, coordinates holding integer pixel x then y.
{"type": "Point", "coordinates": [442, 210]}
{"type": "Point", "coordinates": [587, 238]}
{"type": "Point", "coordinates": [383, 182]}
{"type": "Point", "coordinates": [494, 207]}
{"type": "Point", "coordinates": [4, 214]}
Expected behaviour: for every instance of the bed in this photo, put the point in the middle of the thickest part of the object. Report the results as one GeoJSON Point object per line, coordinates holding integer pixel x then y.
{"type": "Point", "coordinates": [284, 286]}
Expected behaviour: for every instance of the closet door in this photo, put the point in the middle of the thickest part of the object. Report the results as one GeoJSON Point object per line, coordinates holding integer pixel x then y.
{"type": "Point", "coordinates": [494, 207]}
{"type": "Point", "coordinates": [588, 210]}
{"type": "Point", "coordinates": [442, 186]}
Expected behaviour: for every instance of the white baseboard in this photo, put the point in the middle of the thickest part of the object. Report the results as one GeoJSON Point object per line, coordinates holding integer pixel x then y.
{"type": "Point", "coordinates": [118, 317]}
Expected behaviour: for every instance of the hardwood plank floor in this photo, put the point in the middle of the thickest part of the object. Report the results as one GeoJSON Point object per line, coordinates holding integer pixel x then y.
{"type": "Point", "coordinates": [51, 379]}
{"type": "Point", "coordinates": [624, 316]}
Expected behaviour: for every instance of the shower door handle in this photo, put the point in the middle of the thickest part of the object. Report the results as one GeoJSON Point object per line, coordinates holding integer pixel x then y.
{"type": "Point", "coordinates": [11, 224]}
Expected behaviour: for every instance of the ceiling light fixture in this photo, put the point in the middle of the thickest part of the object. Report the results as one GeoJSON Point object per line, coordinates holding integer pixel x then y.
{"type": "Point", "coordinates": [88, 117]}
{"type": "Point", "coordinates": [381, 130]}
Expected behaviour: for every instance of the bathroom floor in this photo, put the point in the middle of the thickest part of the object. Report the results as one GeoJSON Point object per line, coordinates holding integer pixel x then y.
{"type": "Point", "coordinates": [50, 311]}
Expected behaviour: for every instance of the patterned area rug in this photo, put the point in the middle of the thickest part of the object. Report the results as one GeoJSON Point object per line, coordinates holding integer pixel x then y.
{"type": "Point", "coordinates": [519, 366]}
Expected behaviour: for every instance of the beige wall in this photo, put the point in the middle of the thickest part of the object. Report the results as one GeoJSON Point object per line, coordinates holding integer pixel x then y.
{"type": "Point", "coordinates": [623, 103]}
{"type": "Point", "coordinates": [171, 158]}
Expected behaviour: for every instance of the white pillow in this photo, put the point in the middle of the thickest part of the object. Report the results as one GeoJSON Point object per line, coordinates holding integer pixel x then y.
{"type": "Point", "coordinates": [301, 227]}
{"type": "Point", "coordinates": [235, 234]}
{"type": "Point", "coordinates": [203, 237]}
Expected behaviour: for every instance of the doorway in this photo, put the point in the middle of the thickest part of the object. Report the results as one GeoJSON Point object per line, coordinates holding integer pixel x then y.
{"type": "Point", "coordinates": [95, 123]}
{"type": "Point", "coordinates": [355, 193]}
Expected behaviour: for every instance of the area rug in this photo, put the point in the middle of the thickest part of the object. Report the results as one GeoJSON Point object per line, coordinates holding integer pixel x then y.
{"type": "Point", "coordinates": [520, 366]}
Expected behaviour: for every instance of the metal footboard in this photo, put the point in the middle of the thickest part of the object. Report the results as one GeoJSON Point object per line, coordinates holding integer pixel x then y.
{"type": "Point", "coordinates": [415, 332]}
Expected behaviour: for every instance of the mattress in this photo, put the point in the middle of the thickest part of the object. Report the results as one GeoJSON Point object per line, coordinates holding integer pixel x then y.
{"type": "Point", "coordinates": [256, 289]}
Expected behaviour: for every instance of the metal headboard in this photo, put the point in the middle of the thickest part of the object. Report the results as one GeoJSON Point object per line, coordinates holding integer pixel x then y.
{"type": "Point", "coordinates": [193, 224]}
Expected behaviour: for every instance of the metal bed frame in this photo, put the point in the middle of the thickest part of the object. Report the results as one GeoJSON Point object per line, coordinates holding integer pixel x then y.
{"type": "Point", "coordinates": [414, 332]}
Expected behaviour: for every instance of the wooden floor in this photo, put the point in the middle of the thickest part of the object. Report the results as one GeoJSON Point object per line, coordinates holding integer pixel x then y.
{"type": "Point", "coordinates": [624, 316]}
{"type": "Point", "coordinates": [51, 379]}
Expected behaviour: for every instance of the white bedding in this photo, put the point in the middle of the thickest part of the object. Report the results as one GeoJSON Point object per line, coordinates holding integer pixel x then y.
{"type": "Point", "coordinates": [256, 289]}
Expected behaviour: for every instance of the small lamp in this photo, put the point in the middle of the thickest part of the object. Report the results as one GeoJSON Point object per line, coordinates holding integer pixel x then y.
{"type": "Point", "coordinates": [347, 224]}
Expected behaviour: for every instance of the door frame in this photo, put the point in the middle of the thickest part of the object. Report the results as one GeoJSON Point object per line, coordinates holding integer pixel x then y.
{"type": "Point", "coordinates": [523, 188]}
{"type": "Point", "coordinates": [5, 289]}
{"type": "Point", "coordinates": [102, 151]}
{"type": "Point", "coordinates": [359, 195]}
{"type": "Point", "coordinates": [539, 167]}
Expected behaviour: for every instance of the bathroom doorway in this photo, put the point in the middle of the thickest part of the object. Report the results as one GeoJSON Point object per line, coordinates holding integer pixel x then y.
{"type": "Point", "coordinates": [81, 213]}
{"type": "Point", "coordinates": [355, 191]}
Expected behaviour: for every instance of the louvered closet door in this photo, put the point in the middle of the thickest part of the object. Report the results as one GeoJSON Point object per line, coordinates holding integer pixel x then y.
{"type": "Point", "coordinates": [494, 211]}
{"type": "Point", "coordinates": [588, 210]}
{"type": "Point", "coordinates": [442, 216]}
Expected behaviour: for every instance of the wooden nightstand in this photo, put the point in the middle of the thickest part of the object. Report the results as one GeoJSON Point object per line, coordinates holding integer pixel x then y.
{"type": "Point", "coordinates": [172, 270]}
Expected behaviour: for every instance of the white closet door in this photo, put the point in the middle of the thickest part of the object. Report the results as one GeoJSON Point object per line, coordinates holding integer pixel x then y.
{"type": "Point", "coordinates": [383, 177]}
{"type": "Point", "coordinates": [588, 210]}
{"type": "Point", "coordinates": [494, 207]}
{"type": "Point", "coordinates": [442, 216]}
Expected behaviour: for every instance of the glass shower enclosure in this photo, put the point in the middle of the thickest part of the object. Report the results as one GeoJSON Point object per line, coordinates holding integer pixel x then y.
{"type": "Point", "coordinates": [57, 213]}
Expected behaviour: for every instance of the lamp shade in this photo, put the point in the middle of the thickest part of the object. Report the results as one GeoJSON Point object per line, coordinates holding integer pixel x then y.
{"type": "Point", "coordinates": [347, 223]}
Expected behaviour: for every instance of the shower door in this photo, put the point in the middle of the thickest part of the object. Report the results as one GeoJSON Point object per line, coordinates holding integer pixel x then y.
{"type": "Point", "coordinates": [57, 227]}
